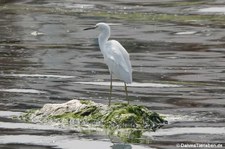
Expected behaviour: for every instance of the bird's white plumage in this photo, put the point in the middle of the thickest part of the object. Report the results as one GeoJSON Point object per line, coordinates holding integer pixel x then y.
{"type": "Point", "coordinates": [115, 55]}
{"type": "Point", "coordinates": [118, 61]}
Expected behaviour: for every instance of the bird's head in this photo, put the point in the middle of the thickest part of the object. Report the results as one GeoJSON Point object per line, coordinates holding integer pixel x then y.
{"type": "Point", "coordinates": [101, 26]}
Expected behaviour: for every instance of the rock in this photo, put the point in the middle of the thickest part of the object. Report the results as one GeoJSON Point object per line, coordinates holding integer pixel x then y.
{"type": "Point", "coordinates": [72, 106]}
{"type": "Point", "coordinates": [127, 122]}
{"type": "Point", "coordinates": [85, 113]}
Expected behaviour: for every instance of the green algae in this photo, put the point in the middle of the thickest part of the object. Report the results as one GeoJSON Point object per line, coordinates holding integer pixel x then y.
{"type": "Point", "coordinates": [187, 3]}
{"type": "Point", "coordinates": [27, 115]}
{"type": "Point", "coordinates": [90, 114]}
{"type": "Point", "coordinates": [164, 17]}
{"type": "Point", "coordinates": [87, 102]}
{"type": "Point", "coordinates": [131, 116]}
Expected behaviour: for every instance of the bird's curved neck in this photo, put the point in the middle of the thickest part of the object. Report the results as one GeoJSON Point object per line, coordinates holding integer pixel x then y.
{"type": "Point", "coordinates": [103, 38]}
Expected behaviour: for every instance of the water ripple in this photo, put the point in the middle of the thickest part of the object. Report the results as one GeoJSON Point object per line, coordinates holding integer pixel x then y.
{"type": "Point", "coordinates": [28, 91]}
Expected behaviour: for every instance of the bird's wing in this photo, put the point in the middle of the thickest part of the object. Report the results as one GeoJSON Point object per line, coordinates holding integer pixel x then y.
{"type": "Point", "coordinates": [118, 60]}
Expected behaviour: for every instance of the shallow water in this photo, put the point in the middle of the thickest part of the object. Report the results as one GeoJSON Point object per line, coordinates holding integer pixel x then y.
{"type": "Point", "coordinates": [46, 57]}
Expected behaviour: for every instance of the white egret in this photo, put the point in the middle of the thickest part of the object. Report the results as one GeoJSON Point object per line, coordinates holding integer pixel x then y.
{"type": "Point", "coordinates": [115, 56]}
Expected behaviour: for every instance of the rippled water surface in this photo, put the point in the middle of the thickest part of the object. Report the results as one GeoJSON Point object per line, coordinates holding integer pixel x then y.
{"type": "Point", "coordinates": [177, 52]}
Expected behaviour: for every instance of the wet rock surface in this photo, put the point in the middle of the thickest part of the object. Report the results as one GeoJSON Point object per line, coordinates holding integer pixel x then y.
{"type": "Point", "coordinates": [85, 113]}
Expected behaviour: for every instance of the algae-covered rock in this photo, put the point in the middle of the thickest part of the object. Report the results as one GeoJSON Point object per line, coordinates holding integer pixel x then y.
{"type": "Point", "coordinates": [85, 112]}
{"type": "Point", "coordinates": [72, 111]}
{"type": "Point", "coordinates": [131, 116]}
{"type": "Point", "coordinates": [127, 122]}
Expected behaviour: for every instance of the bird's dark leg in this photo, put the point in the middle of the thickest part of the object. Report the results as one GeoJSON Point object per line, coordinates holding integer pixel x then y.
{"type": "Point", "coordinates": [125, 86]}
{"type": "Point", "coordinates": [110, 89]}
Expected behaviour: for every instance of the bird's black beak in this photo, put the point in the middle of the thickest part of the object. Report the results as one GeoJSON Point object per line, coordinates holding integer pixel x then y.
{"type": "Point", "coordinates": [94, 27]}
